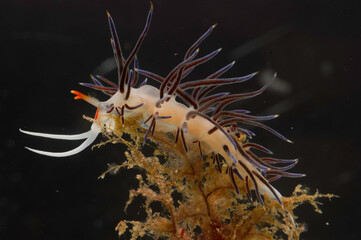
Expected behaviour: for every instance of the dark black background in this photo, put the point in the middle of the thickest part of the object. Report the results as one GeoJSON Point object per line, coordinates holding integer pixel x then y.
{"type": "Point", "coordinates": [47, 47]}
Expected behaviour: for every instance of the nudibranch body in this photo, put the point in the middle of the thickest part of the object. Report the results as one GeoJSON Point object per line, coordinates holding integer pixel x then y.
{"type": "Point", "coordinates": [199, 117]}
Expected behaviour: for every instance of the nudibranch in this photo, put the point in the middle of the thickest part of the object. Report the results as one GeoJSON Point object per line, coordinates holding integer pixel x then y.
{"type": "Point", "coordinates": [188, 109]}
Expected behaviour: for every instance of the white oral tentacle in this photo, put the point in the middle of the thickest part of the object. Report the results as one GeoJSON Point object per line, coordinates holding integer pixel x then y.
{"type": "Point", "coordinates": [58, 136]}
{"type": "Point", "coordinates": [90, 136]}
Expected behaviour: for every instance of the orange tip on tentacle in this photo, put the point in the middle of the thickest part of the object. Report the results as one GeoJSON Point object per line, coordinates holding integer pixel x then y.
{"type": "Point", "coordinates": [91, 100]}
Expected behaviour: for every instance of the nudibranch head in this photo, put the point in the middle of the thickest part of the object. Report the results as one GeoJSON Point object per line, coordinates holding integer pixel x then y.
{"type": "Point", "coordinates": [126, 79]}
{"type": "Point", "coordinates": [89, 136]}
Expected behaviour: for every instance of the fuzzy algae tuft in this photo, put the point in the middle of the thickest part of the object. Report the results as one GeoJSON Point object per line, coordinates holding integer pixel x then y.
{"type": "Point", "coordinates": [197, 201]}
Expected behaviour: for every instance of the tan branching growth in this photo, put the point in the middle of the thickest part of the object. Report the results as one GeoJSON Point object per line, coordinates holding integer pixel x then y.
{"type": "Point", "coordinates": [209, 207]}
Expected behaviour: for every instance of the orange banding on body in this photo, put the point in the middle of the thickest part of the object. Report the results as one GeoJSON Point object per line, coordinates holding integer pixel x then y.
{"type": "Point", "coordinates": [96, 114]}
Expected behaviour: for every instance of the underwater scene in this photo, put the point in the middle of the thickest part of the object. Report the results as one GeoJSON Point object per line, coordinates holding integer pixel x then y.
{"type": "Point", "coordinates": [195, 120]}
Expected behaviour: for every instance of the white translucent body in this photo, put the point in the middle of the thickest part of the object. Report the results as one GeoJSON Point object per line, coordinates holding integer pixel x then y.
{"type": "Point", "coordinates": [197, 127]}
